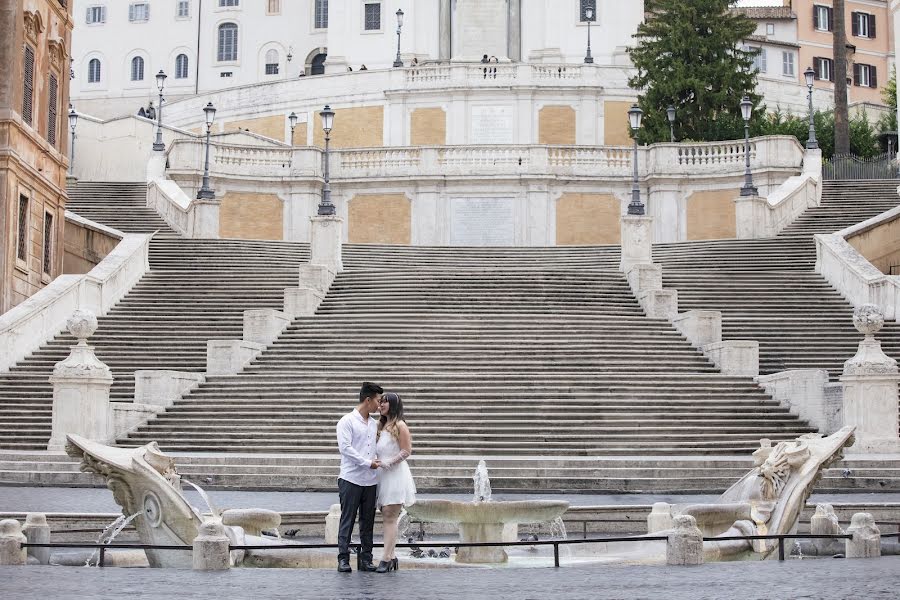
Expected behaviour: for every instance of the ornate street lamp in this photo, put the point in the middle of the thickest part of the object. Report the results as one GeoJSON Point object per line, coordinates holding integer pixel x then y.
{"type": "Point", "coordinates": [670, 113]}
{"type": "Point", "coordinates": [158, 145]}
{"type": "Point", "coordinates": [635, 207]}
{"type": "Point", "coordinates": [205, 192]}
{"type": "Point", "coordinates": [73, 121]}
{"type": "Point", "coordinates": [326, 207]}
{"type": "Point", "coordinates": [811, 143]}
{"type": "Point", "coordinates": [397, 61]}
{"type": "Point", "coordinates": [747, 112]}
{"type": "Point", "coordinates": [292, 119]}
{"type": "Point", "coordinates": [589, 15]}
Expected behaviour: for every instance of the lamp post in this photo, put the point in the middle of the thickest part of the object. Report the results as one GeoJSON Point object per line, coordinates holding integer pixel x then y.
{"type": "Point", "coordinates": [670, 113]}
{"type": "Point", "coordinates": [73, 121]}
{"type": "Point", "coordinates": [292, 119]}
{"type": "Point", "coordinates": [589, 15]}
{"type": "Point", "coordinates": [747, 112]}
{"type": "Point", "coordinates": [811, 142]}
{"type": "Point", "coordinates": [326, 207]}
{"type": "Point", "coordinates": [397, 61]}
{"type": "Point", "coordinates": [205, 192]}
{"type": "Point", "coordinates": [158, 145]}
{"type": "Point", "coordinates": [635, 207]}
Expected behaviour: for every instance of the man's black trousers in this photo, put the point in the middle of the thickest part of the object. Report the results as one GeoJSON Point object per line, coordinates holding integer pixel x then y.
{"type": "Point", "coordinates": [356, 499]}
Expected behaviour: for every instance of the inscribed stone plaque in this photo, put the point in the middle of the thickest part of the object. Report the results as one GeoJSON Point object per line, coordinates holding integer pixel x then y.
{"type": "Point", "coordinates": [479, 28]}
{"type": "Point", "coordinates": [492, 125]}
{"type": "Point", "coordinates": [481, 222]}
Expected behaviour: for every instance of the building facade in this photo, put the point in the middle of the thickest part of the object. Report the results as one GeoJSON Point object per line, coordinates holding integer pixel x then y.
{"type": "Point", "coordinates": [36, 39]}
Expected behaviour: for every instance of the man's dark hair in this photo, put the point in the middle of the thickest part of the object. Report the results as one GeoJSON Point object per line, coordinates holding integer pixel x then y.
{"type": "Point", "coordinates": [369, 389]}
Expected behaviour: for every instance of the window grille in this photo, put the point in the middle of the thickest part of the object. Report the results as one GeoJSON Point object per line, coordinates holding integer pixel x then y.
{"type": "Point", "coordinates": [94, 71]}
{"type": "Point", "coordinates": [48, 244]}
{"type": "Point", "coordinates": [22, 241]}
{"type": "Point", "coordinates": [137, 69]}
{"type": "Point", "coordinates": [28, 88]}
{"type": "Point", "coordinates": [228, 42]}
{"type": "Point", "coordinates": [181, 66]}
{"type": "Point", "coordinates": [321, 16]}
{"type": "Point", "coordinates": [272, 62]}
{"type": "Point", "coordinates": [52, 110]}
{"type": "Point", "coordinates": [373, 16]}
{"type": "Point", "coordinates": [184, 9]}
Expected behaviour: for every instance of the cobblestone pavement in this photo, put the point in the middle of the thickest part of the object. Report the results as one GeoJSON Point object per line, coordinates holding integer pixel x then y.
{"type": "Point", "coordinates": [821, 579]}
{"type": "Point", "coordinates": [99, 500]}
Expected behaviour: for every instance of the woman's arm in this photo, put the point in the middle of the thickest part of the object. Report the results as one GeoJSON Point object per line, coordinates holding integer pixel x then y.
{"type": "Point", "coordinates": [405, 443]}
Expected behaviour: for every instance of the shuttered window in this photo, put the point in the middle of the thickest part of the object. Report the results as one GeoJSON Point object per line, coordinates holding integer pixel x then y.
{"type": "Point", "coordinates": [228, 42]}
{"type": "Point", "coordinates": [94, 71]}
{"type": "Point", "coordinates": [48, 244]}
{"type": "Point", "coordinates": [823, 17]}
{"type": "Point", "coordinates": [22, 239]}
{"type": "Point", "coordinates": [52, 109]}
{"type": "Point", "coordinates": [28, 88]}
{"type": "Point", "coordinates": [137, 69]}
{"type": "Point", "coordinates": [321, 17]}
{"type": "Point", "coordinates": [181, 66]}
{"type": "Point", "coordinates": [373, 16]}
{"type": "Point", "coordinates": [824, 68]}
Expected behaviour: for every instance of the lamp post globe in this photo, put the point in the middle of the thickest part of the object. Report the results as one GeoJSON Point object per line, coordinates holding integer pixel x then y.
{"type": "Point", "coordinates": [635, 207]}
{"type": "Point", "coordinates": [158, 145]}
{"type": "Point", "coordinates": [292, 120]}
{"type": "Point", "coordinates": [746, 112]}
{"type": "Point", "coordinates": [811, 142]}
{"type": "Point", "coordinates": [73, 122]}
{"type": "Point", "coordinates": [397, 61]}
{"type": "Point", "coordinates": [670, 114]}
{"type": "Point", "coordinates": [326, 208]}
{"type": "Point", "coordinates": [205, 192]}
{"type": "Point", "coordinates": [589, 16]}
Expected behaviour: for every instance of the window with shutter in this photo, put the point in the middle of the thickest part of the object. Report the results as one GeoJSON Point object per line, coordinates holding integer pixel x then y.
{"type": "Point", "coordinates": [138, 12]}
{"type": "Point", "coordinates": [822, 17]}
{"type": "Point", "coordinates": [228, 42]}
{"type": "Point", "coordinates": [28, 88]}
{"type": "Point", "coordinates": [857, 74]}
{"type": "Point", "coordinates": [48, 244]}
{"type": "Point", "coordinates": [873, 76]}
{"type": "Point", "coordinates": [871, 19]}
{"type": "Point", "coordinates": [52, 110]}
{"type": "Point", "coordinates": [22, 232]}
{"type": "Point", "coordinates": [321, 14]}
{"type": "Point", "coordinates": [787, 64]}
{"type": "Point", "coordinates": [372, 16]}
{"type": "Point", "coordinates": [96, 14]}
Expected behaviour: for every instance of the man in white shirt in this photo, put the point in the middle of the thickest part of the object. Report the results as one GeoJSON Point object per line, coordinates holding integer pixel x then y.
{"type": "Point", "coordinates": [356, 435]}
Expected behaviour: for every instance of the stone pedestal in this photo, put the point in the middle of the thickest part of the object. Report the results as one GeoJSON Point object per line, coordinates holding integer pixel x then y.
{"type": "Point", "coordinates": [870, 389]}
{"type": "Point", "coordinates": [644, 277]}
{"type": "Point", "coordinates": [301, 302]}
{"type": "Point", "coordinates": [11, 539]}
{"type": "Point", "coordinates": [824, 521]}
{"type": "Point", "coordinates": [229, 357]}
{"type": "Point", "coordinates": [738, 358]}
{"type": "Point", "coordinates": [659, 304]}
{"type": "Point", "coordinates": [206, 218]}
{"type": "Point", "coordinates": [326, 236]}
{"type": "Point", "coordinates": [637, 241]}
{"type": "Point", "coordinates": [474, 533]}
{"type": "Point", "coordinates": [317, 277]}
{"type": "Point", "coordinates": [752, 214]}
{"type": "Point", "coordinates": [700, 327]}
{"type": "Point", "coordinates": [37, 531]}
{"type": "Point", "coordinates": [332, 524]}
{"type": "Point", "coordinates": [866, 540]}
{"type": "Point", "coordinates": [660, 518]}
{"type": "Point", "coordinates": [162, 388]}
{"type": "Point", "coordinates": [80, 388]}
{"type": "Point", "coordinates": [264, 325]}
{"type": "Point", "coordinates": [211, 547]}
{"type": "Point", "coordinates": [685, 543]}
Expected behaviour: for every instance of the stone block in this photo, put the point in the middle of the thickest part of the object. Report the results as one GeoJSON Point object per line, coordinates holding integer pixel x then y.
{"type": "Point", "coordinates": [833, 406]}
{"type": "Point", "coordinates": [685, 543]}
{"type": "Point", "coordinates": [700, 327]}
{"type": "Point", "coordinates": [11, 539]}
{"type": "Point", "coordinates": [637, 241]}
{"type": "Point", "coordinates": [752, 217]}
{"type": "Point", "coordinates": [229, 357]}
{"type": "Point", "coordinates": [317, 277]}
{"type": "Point", "coordinates": [738, 358]}
{"type": "Point", "coordinates": [37, 531]}
{"type": "Point", "coordinates": [326, 236]}
{"type": "Point", "coordinates": [644, 277]}
{"type": "Point", "coordinates": [659, 304]}
{"type": "Point", "coordinates": [302, 302]}
{"type": "Point", "coordinates": [264, 325]}
{"type": "Point", "coordinates": [332, 524]}
{"type": "Point", "coordinates": [824, 521]}
{"type": "Point", "coordinates": [660, 518]}
{"type": "Point", "coordinates": [252, 520]}
{"type": "Point", "coordinates": [211, 547]}
{"type": "Point", "coordinates": [163, 388]}
{"type": "Point", "coordinates": [803, 392]}
{"type": "Point", "coordinates": [866, 540]}
{"type": "Point", "coordinates": [125, 417]}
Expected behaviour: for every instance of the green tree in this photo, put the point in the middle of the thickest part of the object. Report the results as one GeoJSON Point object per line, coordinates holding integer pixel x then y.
{"type": "Point", "coordinates": [888, 121]}
{"type": "Point", "coordinates": [689, 55]}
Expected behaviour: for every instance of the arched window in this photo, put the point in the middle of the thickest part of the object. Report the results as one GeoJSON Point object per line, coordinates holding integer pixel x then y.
{"type": "Point", "coordinates": [181, 66]}
{"type": "Point", "coordinates": [228, 42]}
{"type": "Point", "coordinates": [94, 71]}
{"type": "Point", "coordinates": [137, 69]}
{"type": "Point", "coordinates": [317, 66]}
{"type": "Point", "coordinates": [272, 62]}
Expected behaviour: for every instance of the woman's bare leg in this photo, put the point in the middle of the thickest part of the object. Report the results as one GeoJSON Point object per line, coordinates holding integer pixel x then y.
{"type": "Point", "coordinates": [390, 514]}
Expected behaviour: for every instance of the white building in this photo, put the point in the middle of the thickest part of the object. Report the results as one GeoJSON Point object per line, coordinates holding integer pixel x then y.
{"type": "Point", "coordinates": [208, 45]}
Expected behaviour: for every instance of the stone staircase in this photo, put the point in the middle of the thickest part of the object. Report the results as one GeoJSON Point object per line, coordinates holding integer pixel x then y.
{"type": "Point", "coordinates": [120, 205]}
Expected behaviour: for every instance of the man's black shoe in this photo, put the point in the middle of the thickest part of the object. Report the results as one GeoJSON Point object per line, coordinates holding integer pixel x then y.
{"type": "Point", "coordinates": [344, 566]}
{"type": "Point", "coordinates": [365, 566]}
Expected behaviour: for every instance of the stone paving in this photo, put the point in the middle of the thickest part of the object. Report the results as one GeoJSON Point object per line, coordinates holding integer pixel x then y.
{"type": "Point", "coordinates": [821, 579]}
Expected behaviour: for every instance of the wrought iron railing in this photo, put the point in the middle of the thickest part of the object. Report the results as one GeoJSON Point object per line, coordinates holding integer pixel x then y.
{"type": "Point", "coordinates": [850, 166]}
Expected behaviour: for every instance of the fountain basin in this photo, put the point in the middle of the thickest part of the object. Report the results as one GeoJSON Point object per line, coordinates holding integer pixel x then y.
{"type": "Point", "coordinates": [482, 522]}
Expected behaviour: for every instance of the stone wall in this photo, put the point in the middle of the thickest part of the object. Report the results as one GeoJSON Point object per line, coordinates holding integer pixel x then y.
{"type": "Point", "coordinates": [428, 127]}
{"type": "Point", "coordinates": [359, 127]}
{"type": "Point", "coordinates": [617, 130]}
{"type": "Point", "coordinates": [880, 245]}
{"type": "Point", "coordinates": [587, 219]}
{"type": "Point", "coordinates": [85, 247]}
{"type": "Point", "coordinates": [711, 215]}
{"type": "Point", "coordinates": [272, 126]}
{"type": "Point", "coordinates": [379, 219]}
{"type": "Point", "coordinates": [556, 125]}
{"type": "Point", "coordinates": [251, 216]}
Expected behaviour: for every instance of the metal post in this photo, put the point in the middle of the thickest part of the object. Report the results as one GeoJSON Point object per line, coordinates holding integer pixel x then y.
{"type": "Point", "coordinates": [205, 192]}
{"type": "Point", "coordinates": [397, 61]}
{"type": "Point", "coordinates": [780, 548]}
{"type": "Point", "coordinates": [587, 57]}
{"type": "Point", "coordinates": [159, 145]}
{"type": "Point", "coordinates": [811, 143]}
{"type": "Point", "coordinates": [326, 207]}
{"type": "Point", "coordinates": [556, 555]}
{"type": "Point", "coordinates": [72, 151]}
{"type": "Point", "coordinates": [102, 556]}
{"type": "Point", "coordinates": [671, 132]}
{"type": "Point", "coordinates": [748, 189]}
{"type": "Point", "coordinates": [635, 207]}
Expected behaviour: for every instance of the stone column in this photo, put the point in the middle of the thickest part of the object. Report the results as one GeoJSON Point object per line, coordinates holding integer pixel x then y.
{"type": "Point", "coordinates": [870, 388]}
{"type": "Point", "coordinates": [11, 539]}
{"type": "Point", "coordinates": [332, 524]}
{"type": "Point", "coordinates": [444, 30]}
{"type": "Point", "coordinates": [660, 518]}
{"type": "Point", "coordinates": [326, 237]}
{"type": "Point", "coordinates": [637, 241]}
{"type": "Point", "coordinates": [80, 388]}
{"type": "Point", "coordinates": [37, 531]}
{"type": "Point", "coordinates": [824, 521]}
{"type": "Point", "coordinates": [514, 31]}
{"type": "Point", "coordinates": [685, 544]}
{"type": "Point", "coordinates": [866, 540]}
{"type": "Point", "coordinates": [211, 551]}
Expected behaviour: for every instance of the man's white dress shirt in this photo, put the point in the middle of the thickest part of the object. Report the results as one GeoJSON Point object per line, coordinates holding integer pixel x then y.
{"type": "Point", "coordinates": [356, 437]}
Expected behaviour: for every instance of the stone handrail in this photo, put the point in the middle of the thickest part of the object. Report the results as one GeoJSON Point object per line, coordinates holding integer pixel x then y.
{"type": "Point", "coordinates": [38, 319]}
{"type": "Point", "coordinates": [501, 74]}
{"type": "Point", "coordinates": [858, 280]}
{"type": "Point", "coordinates": [190, 218]}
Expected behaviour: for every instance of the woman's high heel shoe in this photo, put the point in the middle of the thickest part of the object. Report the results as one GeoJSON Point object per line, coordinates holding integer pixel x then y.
{"type": "Point", "coordinates": [384, 566]}
{"type": "Point", "coordinates": [395, 564]}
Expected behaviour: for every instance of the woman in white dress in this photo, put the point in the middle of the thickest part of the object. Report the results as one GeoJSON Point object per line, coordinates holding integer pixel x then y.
{"type": "Point", "coordinates": [396, 487]}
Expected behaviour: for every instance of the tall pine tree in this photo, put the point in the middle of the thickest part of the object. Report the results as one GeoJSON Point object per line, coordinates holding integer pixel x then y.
{"type": "Point", "coordinates": [689, 55]}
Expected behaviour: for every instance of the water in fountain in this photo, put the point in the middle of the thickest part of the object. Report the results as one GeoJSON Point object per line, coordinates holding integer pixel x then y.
{"type": "Point", "coordinates": [482, 483]}
{"type": "Point", "coordinates": [558, 529]}
{"type": "Point", "coordinates": [109, 534]}
{"type": "Point", "coordinates": [212, 509]}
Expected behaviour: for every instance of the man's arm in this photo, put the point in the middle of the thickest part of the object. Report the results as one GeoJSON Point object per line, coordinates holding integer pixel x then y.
{"type": "Point", "coordinates": [345, 444]}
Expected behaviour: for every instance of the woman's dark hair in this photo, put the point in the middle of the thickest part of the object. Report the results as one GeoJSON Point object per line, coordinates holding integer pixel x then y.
{"type": "Point", "coordinates": [395, 414]}
{"type": "Point", "coordinates": [368, 390]}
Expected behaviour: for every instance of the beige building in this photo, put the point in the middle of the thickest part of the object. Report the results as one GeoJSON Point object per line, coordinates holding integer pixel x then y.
{"type": "Point", "coordinates": [35, 43]}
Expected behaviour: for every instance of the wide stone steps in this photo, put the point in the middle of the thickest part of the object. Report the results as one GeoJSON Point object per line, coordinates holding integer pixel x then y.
{"type": "Point", "coordinates": [122, 206]}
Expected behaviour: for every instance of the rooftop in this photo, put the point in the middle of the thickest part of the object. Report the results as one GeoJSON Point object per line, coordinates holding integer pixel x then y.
{"type": "Point", "coordinates": [767, 12]}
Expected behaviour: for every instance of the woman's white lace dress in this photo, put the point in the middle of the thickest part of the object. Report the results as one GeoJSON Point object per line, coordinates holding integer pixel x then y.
{"type": "Point", "coordinates": [395, 483]}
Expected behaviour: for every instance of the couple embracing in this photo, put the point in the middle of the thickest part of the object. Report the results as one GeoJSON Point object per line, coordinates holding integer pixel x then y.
{"type": "Point", "coordinates": [374, 474]}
